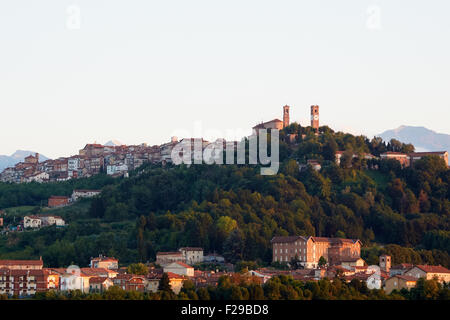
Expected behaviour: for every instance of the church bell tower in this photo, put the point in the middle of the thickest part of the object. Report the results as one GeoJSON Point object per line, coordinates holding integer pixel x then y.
{"type": "Point", "coordinates": [286, 116]}
{"type": "Point", "coordinates": [315, 118]}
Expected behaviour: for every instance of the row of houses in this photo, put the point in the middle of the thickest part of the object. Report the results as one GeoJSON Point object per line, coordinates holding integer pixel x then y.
{"type": "Point", "coordinates": [405, 160]}
{"type": "Point", "coordinates": [28, 277]}
{"type": "Point", "coordinates": [62, 201]}
{"type": "Point", "coordinates": [38, 221]}
{"type": "Point", "coordinates": [383, 276]}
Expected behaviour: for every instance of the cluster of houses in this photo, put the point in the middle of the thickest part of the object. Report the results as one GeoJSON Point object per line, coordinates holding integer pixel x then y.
{"type": "Point", "coordinates": [406, 160]}
{"type": "Point", "coordinates": [91, 160]}
{"type": "Point", "coordinates": [118, 160]}
{"type": "Point", "coordinates": [27, 277]}
{"type": "Point", "coordinates": [24, 278]}
{"type": "Point", "coordinates": [38, 221]}
{"type": "Point", "coordinates": [342, 260]}
{"type": "Point", "coordinates": [342, 257]}
{"type": "Point", "coordinates": [62, 201]}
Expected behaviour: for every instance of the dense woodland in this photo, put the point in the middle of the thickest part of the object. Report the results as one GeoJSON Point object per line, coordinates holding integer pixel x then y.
{"type": "Point", "coordinates": [235, 211]}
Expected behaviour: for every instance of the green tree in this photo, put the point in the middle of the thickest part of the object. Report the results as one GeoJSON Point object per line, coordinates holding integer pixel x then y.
{"type": "Point", "coordinates": [322, 261]}
{"type": "Point", "coordinates": [138, 268]}
{"type": "Point", "coordinates": [164, 283]}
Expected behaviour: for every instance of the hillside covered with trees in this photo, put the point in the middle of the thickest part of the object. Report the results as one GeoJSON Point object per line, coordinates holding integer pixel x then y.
{"type": "Point", "coordinates": [235, 211]}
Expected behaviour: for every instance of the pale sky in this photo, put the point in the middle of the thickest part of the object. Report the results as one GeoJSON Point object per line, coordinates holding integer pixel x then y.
{"type": "Point", "coordinates": [137, 71]}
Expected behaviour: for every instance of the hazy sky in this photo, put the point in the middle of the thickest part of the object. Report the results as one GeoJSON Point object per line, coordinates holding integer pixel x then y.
{"type": "Point", "coordinates": [137, 71]}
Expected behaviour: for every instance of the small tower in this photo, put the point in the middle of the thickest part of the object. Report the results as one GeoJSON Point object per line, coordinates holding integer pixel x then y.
{"type": "Point", "coordinates": [315, 118]}
{"type": "Point", "coordinates": [385, 263]}
{"type": "Point", "coordinates": [285, 116]}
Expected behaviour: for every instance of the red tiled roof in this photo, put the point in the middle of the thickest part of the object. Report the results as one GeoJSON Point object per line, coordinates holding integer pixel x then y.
{"type": "Point", "coordinates": [405, 277]}
{"type": "Point", "coordinates": [21, 262]}
{"type": "Point", "coordinates": [168, 253]}
{"type": "Point", "coordinates": [433, 269]}
{"type": "Point", "coordinates": [96, 271]}
{"type": "Point", "coordinates": [191, 249]}
{"type": "Point", "coordinates": [183, 264]}
{"type": "Point", "coordinates": [97, 279]}
{"type": "Point", "coordinates": [334, 240]}
{"type": "Point", "coordinates": [402, 266]}
{"type": "Point", "coordinates": [284, 239]}
{"type": "Point", "coordinates": [172, 275]}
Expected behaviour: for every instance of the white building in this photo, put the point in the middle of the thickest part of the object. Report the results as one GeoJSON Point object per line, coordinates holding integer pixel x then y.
{"type": "Point", "coordinates": [52, 220]}
{"type": "Point", "coordinates": [114, 169]}
{"type": "Point", "coordinates": [73, 164]}
{"type": "Point", "coordinates": [192, 255]}
{"type": "Point", "coordinates": [69, 282]}
{"type": "Point", "coordinates": [32, 222]}
{"type": "Point", "coordinates": [38, 177]}
{"type": "Point", "coordinates": [374, 281]}
{"type": "Point", "coordinates": [179, 268]}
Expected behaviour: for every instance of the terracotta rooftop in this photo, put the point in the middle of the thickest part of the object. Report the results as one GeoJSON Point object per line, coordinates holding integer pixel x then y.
{"type": "Point", "coordinates": [402, 266]}
{"type": "Point", "coordinates": [97, 279]}
{"type": "Point", "coordinates": [168, 253]}
{"type": "Point", "coordinates": [405, 277]}
{"type": "Point", "coordinates": [433, 269]}
{"type": "Point", "coordinates": [284, 239]}
{"type": "Point", "coordinates": [183, 264]}
{"type": "Point", "coordinates": [21, 262]}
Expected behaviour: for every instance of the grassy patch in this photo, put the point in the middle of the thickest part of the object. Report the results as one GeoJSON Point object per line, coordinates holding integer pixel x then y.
{"type": "Point", "coordinates": [380, 179]}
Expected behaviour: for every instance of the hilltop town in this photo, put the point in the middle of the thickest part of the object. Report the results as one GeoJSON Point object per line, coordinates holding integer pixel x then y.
{"type": "Point", "coordinates": [117, 161]}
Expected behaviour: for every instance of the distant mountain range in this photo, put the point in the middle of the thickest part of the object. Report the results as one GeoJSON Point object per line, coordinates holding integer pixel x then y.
{"type": "Point", "coordinates": [16, 157]}
{"type": "Point", "coordinates": [422, 138]}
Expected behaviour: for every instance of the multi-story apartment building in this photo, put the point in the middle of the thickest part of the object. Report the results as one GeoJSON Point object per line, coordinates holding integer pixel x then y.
{"type": "Point", "coordinates": [308, 250]}
{"type": "Point", "coordinates": [25, 282]}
